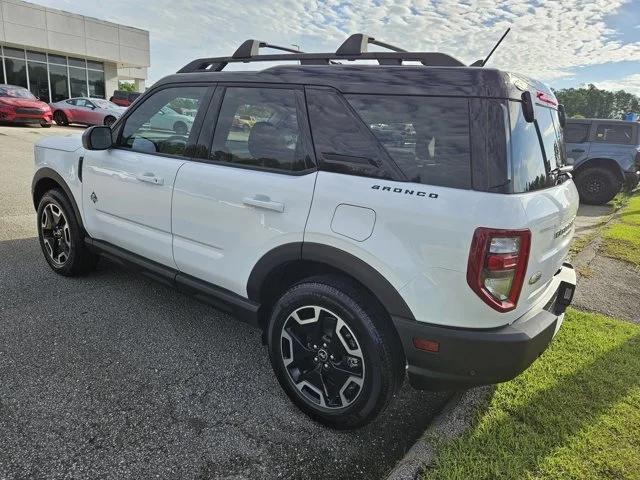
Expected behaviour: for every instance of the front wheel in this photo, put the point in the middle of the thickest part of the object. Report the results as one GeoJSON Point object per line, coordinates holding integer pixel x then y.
{"type": "Point", "coordinates": [60, 236]}
{"type": "Point", "coordinates": [597, 185]}
{"type": "Point", "coordinates": [180, 128]}
{"type": "Point", "coordinates": [334, 351]}
{"type": "Point", "coordinates": [45, 125]}
{"type": "Point", "coordinates": [109, 120]}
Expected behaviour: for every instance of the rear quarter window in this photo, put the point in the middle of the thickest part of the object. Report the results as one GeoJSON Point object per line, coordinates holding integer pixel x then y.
{"type": "Point", "coordinates": [427, 137]}
{"type": "Point", "coordinates": [614, 133]}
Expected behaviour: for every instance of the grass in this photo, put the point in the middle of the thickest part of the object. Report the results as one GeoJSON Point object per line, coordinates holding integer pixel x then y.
{"type": "Point", "coordinates": [574, 414]}
{"type": "Point", "coordinates": [621, 239]}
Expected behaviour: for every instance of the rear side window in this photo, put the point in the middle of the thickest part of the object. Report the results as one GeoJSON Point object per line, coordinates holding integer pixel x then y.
{"type": "Point", "coordinates": [427, 137]}
{"type": "Point", "coordinates": [342, 142]}
{"type": "Point", "coordinates": [576, 133]}
{"type": "Point", "coordinates": [259, 127]}
{"type": "Point", "coordinates": [613, 133]}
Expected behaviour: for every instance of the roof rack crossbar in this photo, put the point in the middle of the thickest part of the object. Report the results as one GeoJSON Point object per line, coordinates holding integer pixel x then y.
{"type": "Point", "coordinates": [358, 43]}
{"type": "Point", "coordinates": [354, 48]}
{"type": "Point", "coordinates": [251, 48]}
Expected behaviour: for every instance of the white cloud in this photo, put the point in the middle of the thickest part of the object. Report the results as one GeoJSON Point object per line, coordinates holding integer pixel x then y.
{"type": "Point", "coordinates": [629, 84]}
{"type": "Point", "coordinates": [548, 37]}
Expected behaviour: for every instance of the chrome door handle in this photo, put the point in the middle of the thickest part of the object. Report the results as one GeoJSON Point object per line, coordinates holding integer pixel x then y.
{"type": "Point", "coordinates": [150, 178]}
{"type": "Point", "coordinates": [263, 201]}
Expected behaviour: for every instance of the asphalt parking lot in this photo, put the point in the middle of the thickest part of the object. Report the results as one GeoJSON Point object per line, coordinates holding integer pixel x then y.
{"type": "Point", "coordinates": [114, 376]}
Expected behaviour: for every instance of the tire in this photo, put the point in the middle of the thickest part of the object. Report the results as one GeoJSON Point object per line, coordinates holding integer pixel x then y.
{"type": "Point", "coordinates": [60, 118]}
{"type": "Point", "coordinates": [180, 128]}
{"type": "Point", "coordinates": [109, 120]}
{"type": "Point", "coordinates": [60, 236]}
{"type": "Point", "coordinates": [597, 185]}
{"type": "Point", "coordinates": [361, 368]}
{"type": "Point", "coordinates": [45, 125]}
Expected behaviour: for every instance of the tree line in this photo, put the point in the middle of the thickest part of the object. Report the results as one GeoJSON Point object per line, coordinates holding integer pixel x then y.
{"type": "Point", "coordinates": [591, 102]}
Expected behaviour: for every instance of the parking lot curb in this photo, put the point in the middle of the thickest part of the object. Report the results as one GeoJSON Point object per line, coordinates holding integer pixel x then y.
{"type": "Point", "coordinates": [455, 418]}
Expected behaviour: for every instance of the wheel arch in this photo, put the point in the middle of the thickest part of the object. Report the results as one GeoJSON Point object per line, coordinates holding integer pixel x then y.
{"type": "Point", "coordinates": [287, 264]}
{"type": "Point", "coordinates": [46, 179]}
{"type": "Point", "coordinates": [605, 162]}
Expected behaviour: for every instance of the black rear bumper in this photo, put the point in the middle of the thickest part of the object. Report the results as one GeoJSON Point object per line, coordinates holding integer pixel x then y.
{"type": "Point", "coordinates": [469, 357]}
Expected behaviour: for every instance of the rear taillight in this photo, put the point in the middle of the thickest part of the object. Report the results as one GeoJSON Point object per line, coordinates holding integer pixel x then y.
{"type": "Point", "coordinates": [497, 266]}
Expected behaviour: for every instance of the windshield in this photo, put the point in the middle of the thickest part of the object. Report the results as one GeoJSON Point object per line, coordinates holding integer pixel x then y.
{"type": "Point", "coordinates": [16, 92]}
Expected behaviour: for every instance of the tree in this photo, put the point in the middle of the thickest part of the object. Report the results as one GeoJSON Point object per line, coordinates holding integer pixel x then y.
{"type": "Point", "coordinates": [591, 102]}
{"type": "Point", "coordinates": [127, 86]}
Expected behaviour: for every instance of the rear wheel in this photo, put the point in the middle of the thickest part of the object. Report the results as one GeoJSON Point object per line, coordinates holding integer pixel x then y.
{"type": "Point", "coordinates": [60, 118]}
{"type": "Point", "coordinates": [109, 120]}
{"type": "Point", "coordinates": [597, 185]}
{"type": "Point", "coordinates": [334, 351]}
{"type": "Point", "coordinates": [60, 236]}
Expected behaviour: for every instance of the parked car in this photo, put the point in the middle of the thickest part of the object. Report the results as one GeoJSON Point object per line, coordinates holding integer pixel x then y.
{"type": "Point", "coordinates": [361, 262]}
{"type": "Point", "coordinates": [18, 105]}
{"type": "Point", "coordinates": [605, 155]}
{"type": "Point", "coordinates": [124, 98]}
{"type": "Point", "coordinates": [86, 111]}
{"type": "Point", "coordinates": [168, 119]}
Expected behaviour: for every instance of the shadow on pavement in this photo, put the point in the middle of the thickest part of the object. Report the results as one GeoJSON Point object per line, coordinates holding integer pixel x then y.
{"type": "Point", "coordinates": [112, 375]}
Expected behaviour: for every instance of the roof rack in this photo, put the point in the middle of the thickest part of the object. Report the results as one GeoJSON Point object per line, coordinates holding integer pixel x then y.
{"type": "Point", "coordinates": [354, 48]}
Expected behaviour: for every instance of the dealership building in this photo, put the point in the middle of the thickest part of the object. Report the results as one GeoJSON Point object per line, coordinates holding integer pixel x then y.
{"type": "Point", "coordinates": [59, 55]}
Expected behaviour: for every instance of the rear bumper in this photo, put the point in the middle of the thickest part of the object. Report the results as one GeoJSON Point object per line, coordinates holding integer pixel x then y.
{"type": "Point", "coordinates": [468, 357]}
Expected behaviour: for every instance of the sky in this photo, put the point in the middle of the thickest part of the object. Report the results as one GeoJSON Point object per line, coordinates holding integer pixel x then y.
{"type": "Point", "coordinates": [564, 43]}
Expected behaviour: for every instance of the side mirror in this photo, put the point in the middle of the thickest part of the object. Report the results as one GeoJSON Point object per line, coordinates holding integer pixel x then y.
{"type": "Point", "coordinates": [97, 138]}
{"type": "Point", "coordinates": [562, 115]}
{"type": "Point", "coordinates": [527, 107]}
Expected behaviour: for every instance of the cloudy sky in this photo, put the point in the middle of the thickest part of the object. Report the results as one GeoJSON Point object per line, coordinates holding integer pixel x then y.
{"type": "Point", "coordinates": [562, 42]}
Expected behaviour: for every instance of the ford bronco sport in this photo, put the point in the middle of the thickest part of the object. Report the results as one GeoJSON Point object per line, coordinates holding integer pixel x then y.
{"type": "Point", "coordinates": [375, 221]}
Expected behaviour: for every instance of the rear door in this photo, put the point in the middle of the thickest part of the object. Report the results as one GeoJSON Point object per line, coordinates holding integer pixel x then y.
{"type": "Point", "coordinates": [576, 135]}
{"type": "Point", "coordinates": [550, 201]}
{"type": "Point", "coordinates": [252, 188]}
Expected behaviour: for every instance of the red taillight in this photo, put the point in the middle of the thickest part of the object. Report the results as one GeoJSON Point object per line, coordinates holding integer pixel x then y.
{"type": "Point", "coordinates": [497, 266]}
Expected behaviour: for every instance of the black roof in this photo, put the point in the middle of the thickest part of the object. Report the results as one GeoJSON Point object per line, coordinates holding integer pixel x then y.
{"type": "Point", "coordinates": [440, 74]}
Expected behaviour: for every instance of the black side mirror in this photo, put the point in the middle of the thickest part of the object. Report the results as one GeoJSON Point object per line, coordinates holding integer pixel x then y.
{"type": "Point", "coordinates": [97, 138]}
{"type": "Point", "coordinates": [527, 107]}
{"type": "Point", "coordinates": [562, 115]}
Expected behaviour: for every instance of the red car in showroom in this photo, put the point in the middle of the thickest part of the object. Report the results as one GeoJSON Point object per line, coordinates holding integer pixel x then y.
{"type": "Point", "coordinates": [19, 105]}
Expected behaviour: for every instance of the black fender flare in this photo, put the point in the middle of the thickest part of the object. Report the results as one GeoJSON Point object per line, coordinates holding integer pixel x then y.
{"type": "Point", "coordinates": [600, 161]}
{"type": "Point", "coordinates": [46, 173]}
{"type": "Point", "coordinates": [337, 259]}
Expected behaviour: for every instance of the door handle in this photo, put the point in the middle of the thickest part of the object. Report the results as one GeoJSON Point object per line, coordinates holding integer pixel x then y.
{"type": "Point", "coordinates": [263, 201]}
{"type": "Point", "coordinates": [150, 178]}
{"type": "Point", "coordinates": [577, 150]}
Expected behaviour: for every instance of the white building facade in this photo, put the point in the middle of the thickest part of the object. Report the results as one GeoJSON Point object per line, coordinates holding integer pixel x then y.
{"type": "Point", "coordinates": [59, 55]}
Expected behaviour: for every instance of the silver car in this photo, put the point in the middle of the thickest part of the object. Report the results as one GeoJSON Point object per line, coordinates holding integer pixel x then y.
{"type": "Point", "coordinates": [86, 111]}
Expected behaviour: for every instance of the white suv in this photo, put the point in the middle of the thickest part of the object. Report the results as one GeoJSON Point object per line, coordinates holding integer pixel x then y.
{"type": "Point", "coordinates": [372, 220]}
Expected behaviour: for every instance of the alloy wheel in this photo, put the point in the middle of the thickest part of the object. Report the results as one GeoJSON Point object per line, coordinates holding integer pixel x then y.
{"type": "Point", "coordinates": [56, 235]}
{"type": "Point", "coordinates": [322, 357]}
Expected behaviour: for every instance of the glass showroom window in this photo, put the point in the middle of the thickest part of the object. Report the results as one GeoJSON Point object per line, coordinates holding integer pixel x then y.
{"type": "Point", "coordinates": [78, 77]}
{"type": "Point", "coordinates": [38, 79]}
{"type": "Point", "coordinates": [58, 77]}
{"type": "Point", "coordinates": [96, 79]}
{"type": "Point", "coordinates": [16, 66]}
